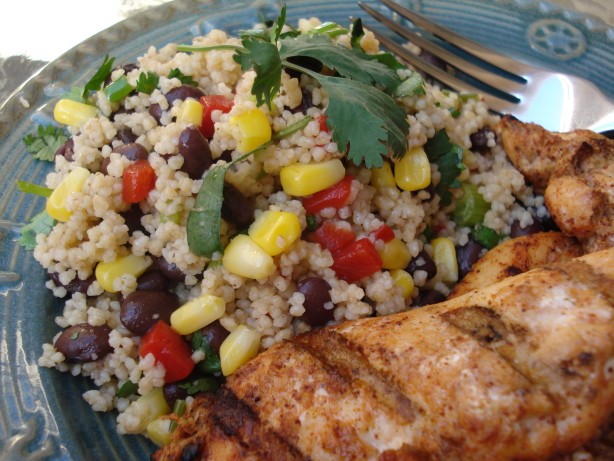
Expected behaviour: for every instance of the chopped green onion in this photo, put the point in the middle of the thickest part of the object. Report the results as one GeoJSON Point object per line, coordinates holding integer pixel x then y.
{"type": "Point", "coordinates": [332, 29]}
{"type": "Point", "coordinates": [468, 96]}
{"type": "Point", "coordinates": [206, 384]}
{"type": "Point", "coordinates": [485, 236]}
{"type": "Point", "coordinates": [118, 90]}
{"type": "Point", "coordinates": [411, 86]}
{"type": "Point", "coordinates": [127, 389]}
{"type": "Point", "coordinates": [30, 188]}
{"type": "Point", "coordinates": [470, 207]}
{"type": "Point", "coordinates": [455, 113]}
{"type": "Point", "coordinates": [179, 407]}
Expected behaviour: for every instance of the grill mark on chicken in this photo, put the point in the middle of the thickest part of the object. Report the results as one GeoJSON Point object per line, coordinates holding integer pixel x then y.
{"type": "Point", "coordinates": [341, 357]}
{"type": "Point", "coordinates": [237, 419]}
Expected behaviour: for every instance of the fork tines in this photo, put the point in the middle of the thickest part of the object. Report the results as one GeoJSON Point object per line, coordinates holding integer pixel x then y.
{"type": "Point", "coordinates": [504, 85]}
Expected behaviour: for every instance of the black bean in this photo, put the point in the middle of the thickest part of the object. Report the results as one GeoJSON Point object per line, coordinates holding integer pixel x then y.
{"type": "Point", "coordinates": [104, 165]}
{"type": "Point", "coordinates": [423, 262]}
{"type": "Point", "coordinates": [121, 110]}
{"type": "Point", "coordinates": [132, 219]}
{"type": "Point", "coordinates": [183, 92]}
{"type": "Point", "coordinates": [317, 296]}
{"type": "Point", "coordinates": [67, 150]}
{"type": "Point", "coordinates": [226, 156]}
{"type": "Point", "coordinates": [518, 231]}
{"type": "Point", "coordinates": [173, 392]}
{"type": "Point", "coordinates": [306, 102]}
{"type": "Point", "coordinates": [156, 112]}
{"type": "Point", "coordinates": [467, 255]}
{"type": "Point", "coordinates": [140, 310]}
{"type": "Point", "coordinates": [215, 334]}
{"type": "Point", "coordinates": [170, 270]}
{"type": "Point", "coordinates": [76, 285]}
{"type": "Point", "coordinates": [84, 343]}
{"type": "Point", "coordinates": [152, 281]}
{"type": "Point", "coordinates": [303, 61]}
{"type": "Point", "coordinates": [236, 208]}
{"type": "Point", "coordinates": [479, 139]}
{"type": "Point", "coordinates": [126, 135]}
{"type": "Point", "coordinates": [432, 59]}
{"type": "Point", "coordinates": [426, 297]}
{"type": "Point", "coordinates": [194, 149]}
{"type": "Point", "coordinates": [133, 151]}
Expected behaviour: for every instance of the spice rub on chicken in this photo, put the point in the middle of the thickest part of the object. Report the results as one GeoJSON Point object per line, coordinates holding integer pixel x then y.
{"type": "Point", "coordinates": [518, 370]}
{"type": "Point", "coordinates": [576, 171]}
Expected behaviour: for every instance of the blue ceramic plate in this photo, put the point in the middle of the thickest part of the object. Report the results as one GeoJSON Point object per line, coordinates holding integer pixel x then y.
{"type": "Point", "coordinates": [42, 414]}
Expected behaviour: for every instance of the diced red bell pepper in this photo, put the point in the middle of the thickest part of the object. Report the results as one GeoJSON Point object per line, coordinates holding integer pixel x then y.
{"type": "Point", "coordinates": [210, 103]}
{"type": "Point", "coordinates": [384, 233]}
{"type": "Point", "coordinates": [357, 260]}
{"type": "Point", "coordinates": [335, 196]}
{"type": "Point", "coordinates": [169, 348]}
{"type": "Point", "coordinates": [332, 237]}
{"type": "Point", "coordinates": [322, 120]}
{"type": "Point", "coordinates": [137, 181]}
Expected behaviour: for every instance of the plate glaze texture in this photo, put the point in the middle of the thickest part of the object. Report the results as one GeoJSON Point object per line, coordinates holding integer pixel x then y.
{"type": "Point", "coordinates": [42, 413]}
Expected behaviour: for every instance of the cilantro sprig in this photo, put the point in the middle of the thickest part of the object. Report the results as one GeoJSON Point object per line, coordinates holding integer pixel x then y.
{"type": "Point", "coordinates": [42, 223]}
{"type": "Point", "coordinates": [98, 79]}
{"type": "Point", "coordinates": [449, 160]}
{"type": "Point", "coordinates": [365, 119]}
{"type": "Point", "coordinates": [47, 140]}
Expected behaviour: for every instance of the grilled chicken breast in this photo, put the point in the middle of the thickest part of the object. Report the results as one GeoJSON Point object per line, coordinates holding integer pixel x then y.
{"type": "Point", "coordinates": [521, 369]}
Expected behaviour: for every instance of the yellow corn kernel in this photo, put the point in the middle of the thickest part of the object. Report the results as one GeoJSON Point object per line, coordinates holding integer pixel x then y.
{"type": "Point", "coordinates": [275, 231]}
{"type": "Point", "coordinates": [72, 182]}
{"type": "Point", "coordinates": [413, 171]}
{"type": "Point", "coordinates": [470, 159]}
{"type": "Point", "coordinates": [241, 345]}
{"type": "Point", "coordinates": [444, 256]}
{"type": "Point", "coordinates": [301, 179]}
{"type": "Point", "coordinates": [245, 257]}
{"type": "Point", "coordinates": [252, 129]}
{"type": "Point", "coordinates": [131, 264]}
{"type": "Point", "coordinates": [150, 407]}
{"type": "Point", "coordinates": [403, 280]}
{"type": "Point", "coordinates": [197, 314]}
{"type": "Point", "coordinates": [382, 176]}
{"type": "Point", "coordinates": [159, 431]}
{"type": "Point", "coordinates": [73, 113]}
{"type": "Point", "coordinates": [395, 255]}
{"type": "Point", "coordinates": [191, 112]}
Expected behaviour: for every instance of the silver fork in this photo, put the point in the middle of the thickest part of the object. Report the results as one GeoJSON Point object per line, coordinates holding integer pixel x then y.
{"type": "Point", "coordinates": [557, 101]}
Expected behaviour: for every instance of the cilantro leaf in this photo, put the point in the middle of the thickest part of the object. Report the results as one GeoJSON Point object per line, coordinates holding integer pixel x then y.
{"type": "Point", "coordinates": [46, 142]}
{"type": "Point", "coordinates": [96, 82]}
{"type": "Point", "coordinates": [42, 223]}
{"type": "Point", "coordinates": [127, 389]}
{"type": "Point", "coordinates": [449, 159]}
{"type": "Point", "coordinates": [366, 121]}
{"type": "Point", "coordinates": [278, 25]}
{"type": "Point", "coordinates": [211, 363]}
{"type": "Point", "coordinates": [384, 58]}
{"type": "Point", "coordinates": [185, 79]}
{"type": "Point", "coordinates": [264, 58]}
{"type": "Point", "coordinates": [485, 236]}
{"type": "Point", "coordinates": [346, 62]}
{"type": "Point", "coordinates": [147, 82]}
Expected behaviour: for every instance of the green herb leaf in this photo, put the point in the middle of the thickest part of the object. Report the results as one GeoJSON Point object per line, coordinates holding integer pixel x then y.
{"type": "Point", "coordinates": [127, 389]}
{"type": "Point", "coordinates": [346, 62]}
{"type": "Point", "coordinates": [366, 120]}
{"type": "Point", "coordinates": [264, 58]}
{"type": "Point", "coordinates": [46, 142]}
{"type": "Point", "coordinates": [211, 364]}
{"type": "Point", "coordinates": [75, 94]}
{"type": "Point", "coordinates": [118, 90]}
{"type": "Point", "coordinates": [449, 159]}
{"type": "Point", "coordinates": [206, 384]}
{"type": "Point", "coordinates": [278, 25]}
{"type": "Point", "coordinates": [384, 58]}
{"type": "Point", "coordinates": [31, 188]}
{"type": "Point", "coordinates": [331, 29]}
{"type": "Point", "coordinates": [42, 223]}
{"type": "Point", "coordinates": [486, 236]}
{"type": "Point", "coordinates": [147, 82]}
{"type": "Point", "coordinates": [185, 79]}
{"type": "Point", "coordinates": [96, 82]}
{"type": "Point", "coordinates": [312, 222]}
